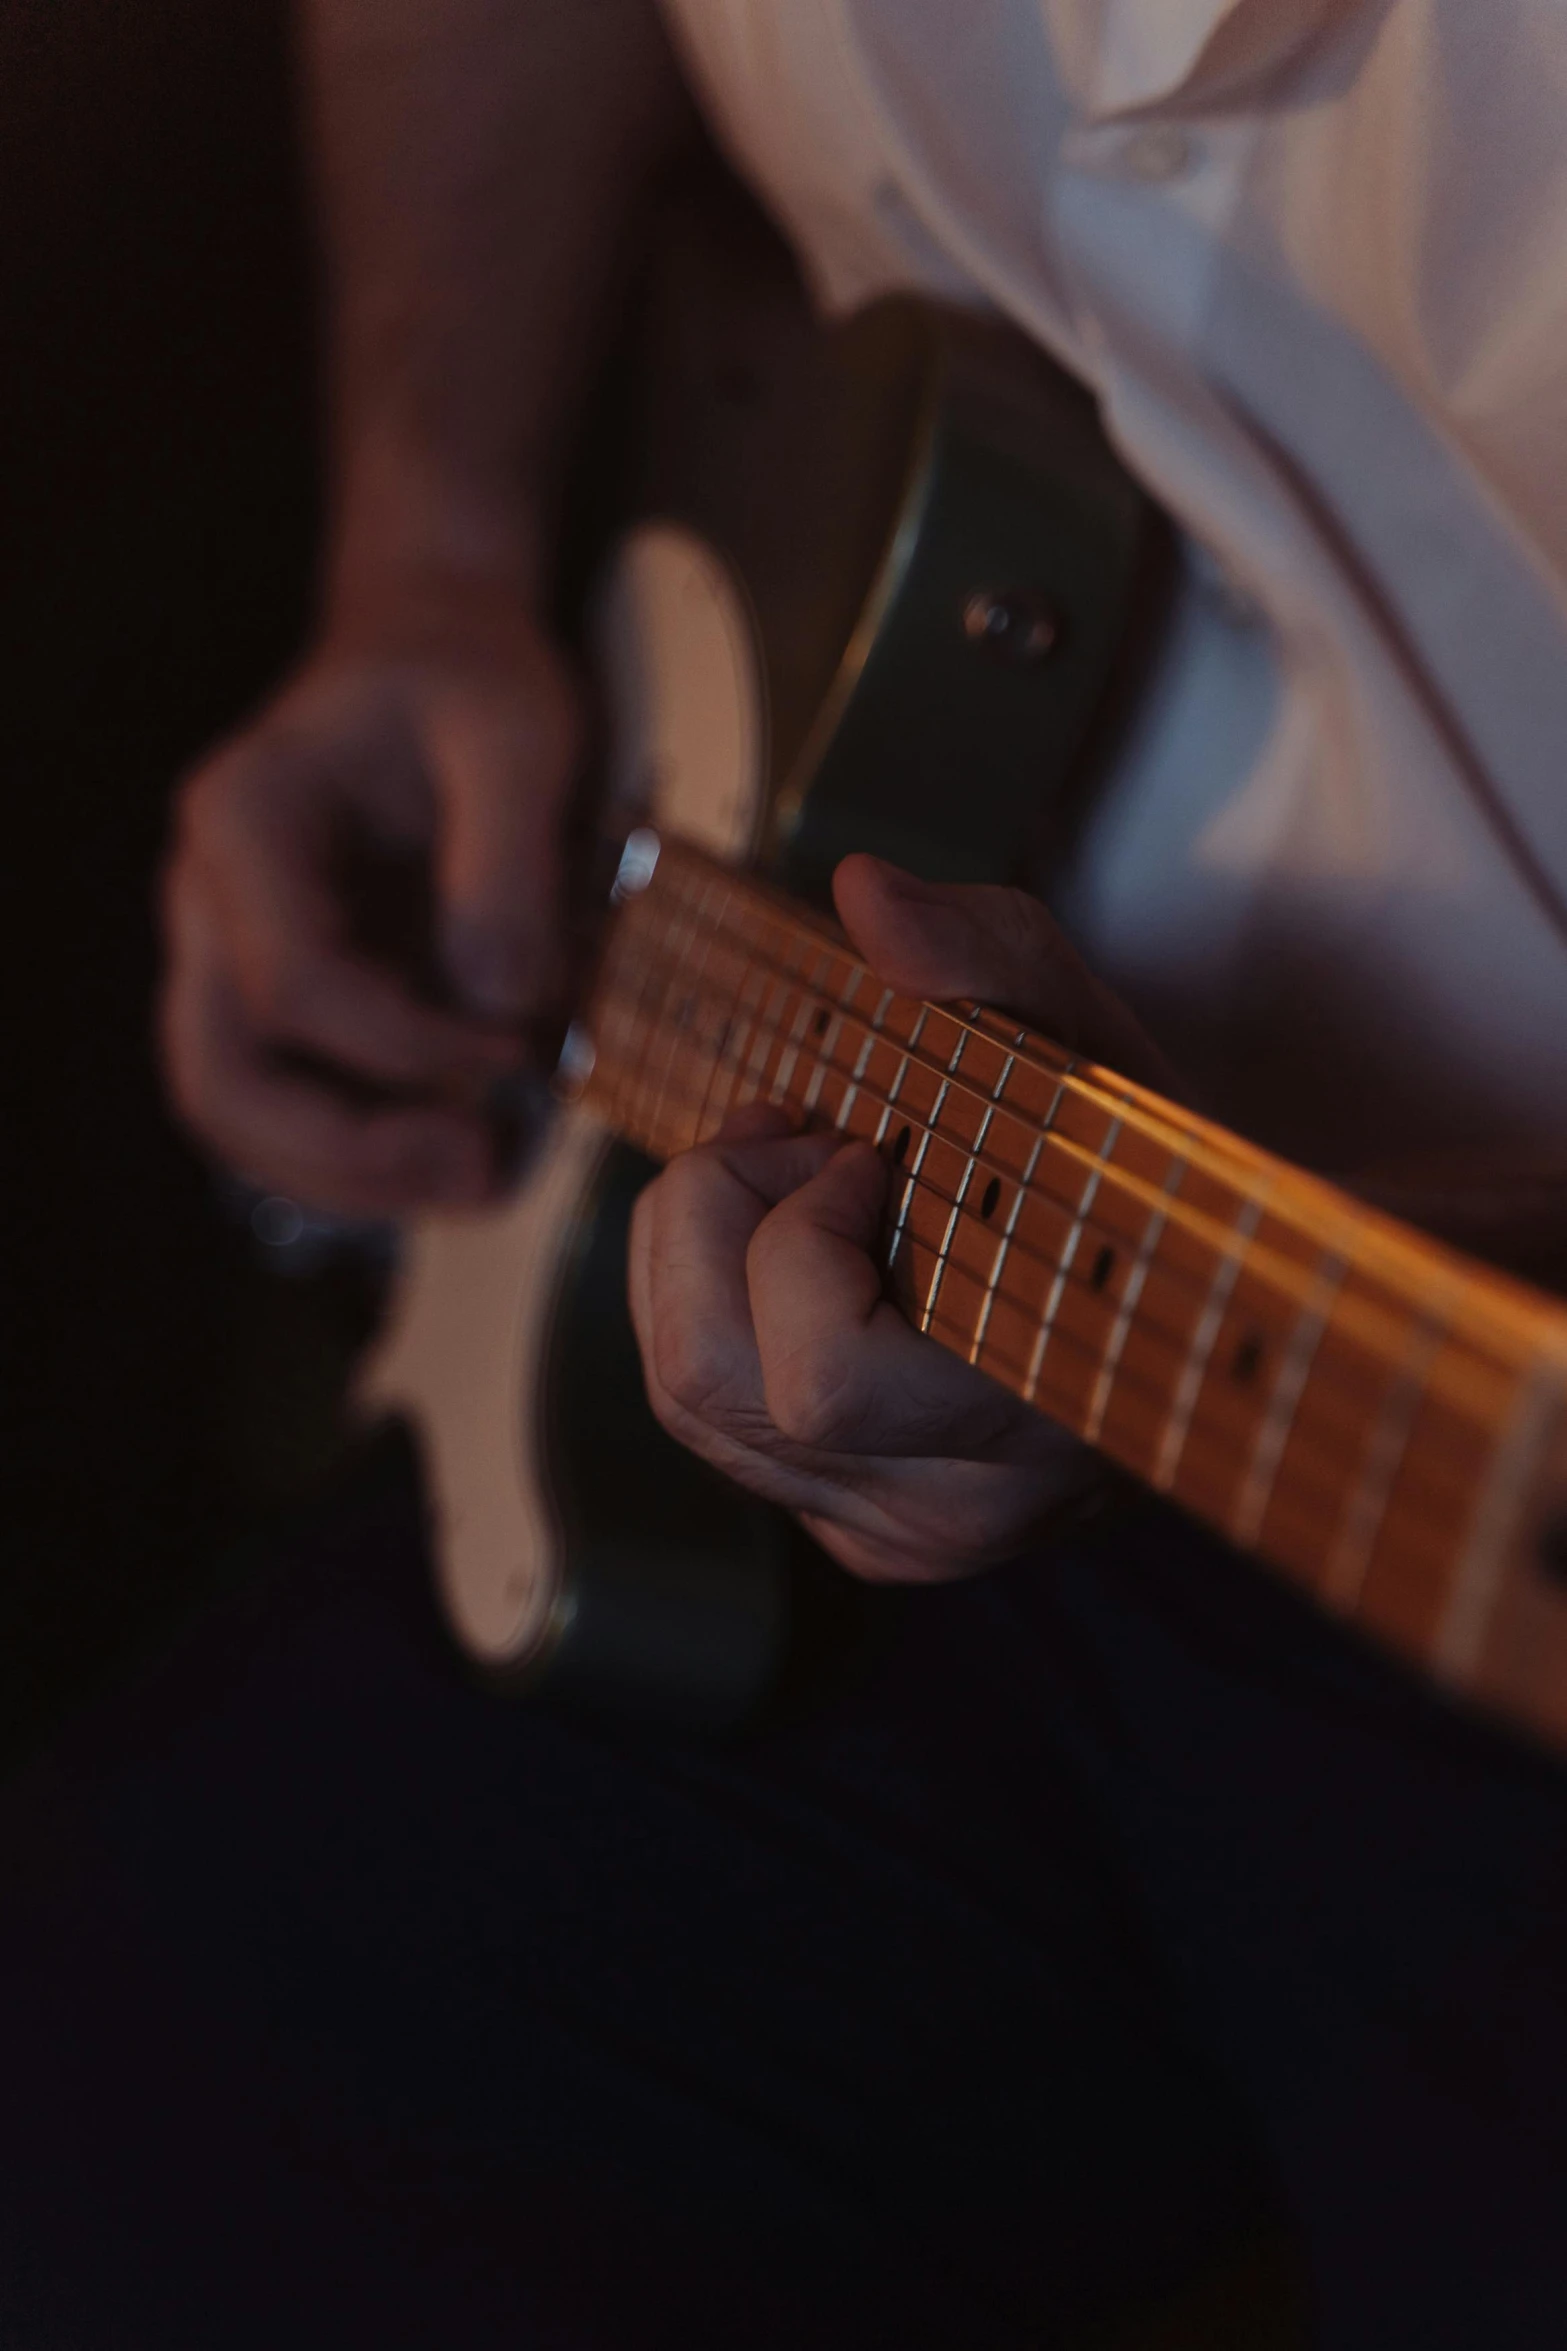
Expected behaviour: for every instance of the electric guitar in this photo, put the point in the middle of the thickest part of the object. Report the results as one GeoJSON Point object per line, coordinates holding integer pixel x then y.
{"type": "Point", "coordinates": [1364, 1411]}
{"type": "Point", "coordinates": [1372, 1415]}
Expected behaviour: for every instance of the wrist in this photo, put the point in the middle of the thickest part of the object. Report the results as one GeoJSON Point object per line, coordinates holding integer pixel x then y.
{"type": "Point", "coordinates": [414, 532]}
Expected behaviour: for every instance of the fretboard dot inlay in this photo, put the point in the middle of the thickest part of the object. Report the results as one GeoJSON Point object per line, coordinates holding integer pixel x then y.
{"type": "Point", "coordinates": [1385, 1431]}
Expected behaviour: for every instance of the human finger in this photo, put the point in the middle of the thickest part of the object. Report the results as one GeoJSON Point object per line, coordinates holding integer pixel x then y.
{"type": "Point", "coordinates": [895, 1517]}
{"type": "Point", "coordinates": [504, 759]}
{"type": "Point", "coordinates": [284, 1130]}
{"type": "Point", "coordinates": [695, 1222]}
{"type": "Point", "coordinates": [999, 946]}
{"type": "Point", "coordinates": [256, 842]}
{"type": "Point", "coordinates": [842, 1371]}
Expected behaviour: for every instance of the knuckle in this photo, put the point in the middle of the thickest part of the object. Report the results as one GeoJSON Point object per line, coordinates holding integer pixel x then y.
{"type": "Point", "coordinates": [286, 992]}
{"type": "Point", "coordinates": [670, 1417]}
{"type": "Point", "coordinates": [1026, 941]}
{"type": "Point", "coordinates": [688, 1428]}
{"type": "Point", "coordinates": [700, 1173]}
{"type": "Point", "coordinates": [811, 1400]}
{"type": "Point", "coordinates": [692, 1192]}
{"type": "Point", "coordinates": [1021, 920]}
{"type": "Point", "coordinates": [693, 1365]}
{"type": "Point", "coordinates": [773, 1252]}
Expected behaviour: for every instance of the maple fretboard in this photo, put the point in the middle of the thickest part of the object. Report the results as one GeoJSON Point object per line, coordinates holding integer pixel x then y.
{"type": "Point", "coordinates": [1366, 1411]}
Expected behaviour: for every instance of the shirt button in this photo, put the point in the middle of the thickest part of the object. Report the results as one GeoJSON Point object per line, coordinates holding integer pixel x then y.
{"type": "Point", "coordinates": [1161, 152]}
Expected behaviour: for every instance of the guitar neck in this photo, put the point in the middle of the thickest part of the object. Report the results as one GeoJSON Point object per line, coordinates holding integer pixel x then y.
{"type": "Point", "coordinates": [1369, 1413]}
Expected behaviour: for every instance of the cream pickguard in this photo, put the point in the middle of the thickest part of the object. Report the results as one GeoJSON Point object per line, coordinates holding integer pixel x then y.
{"type": "Point", "coordinates": [944, 569]}
{"type": "Point", "coordinates": [462, 1358]}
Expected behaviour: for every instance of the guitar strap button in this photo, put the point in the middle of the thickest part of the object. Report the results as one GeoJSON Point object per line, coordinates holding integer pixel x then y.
{"type": "Point", "coordinates": [1017, 625]}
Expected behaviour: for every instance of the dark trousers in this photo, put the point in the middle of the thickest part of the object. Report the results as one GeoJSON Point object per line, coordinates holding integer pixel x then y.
{"type": "Point", "coordinates": [342, 2003]}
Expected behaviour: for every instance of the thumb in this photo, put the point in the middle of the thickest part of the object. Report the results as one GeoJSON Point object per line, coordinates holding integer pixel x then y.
{"type": "Point", "coordinates": [504, 758]}
{"type": "Point", "coordinates": [1001, 947]}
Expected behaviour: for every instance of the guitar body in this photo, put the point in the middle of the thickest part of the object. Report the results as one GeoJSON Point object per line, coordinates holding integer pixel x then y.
{"type": "Point", "coordinates": [575, 1544]}
{"type": "Point", "coordinates": [878, 590]}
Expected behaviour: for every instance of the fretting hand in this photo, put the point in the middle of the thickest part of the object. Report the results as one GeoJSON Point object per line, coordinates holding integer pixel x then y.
{"type": "Point", "coordinates": [767, 1342]}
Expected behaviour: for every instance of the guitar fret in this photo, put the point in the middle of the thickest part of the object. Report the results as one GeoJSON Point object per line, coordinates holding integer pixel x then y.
{"type": "Point", "coordinates": [1262, 1470]}
{"type": "Point", "coordinates": [829, 1043]}
{"type": "Point", "coordinates": [1177, 1427]}
{"type": "Point", "coordinates": [1385, 1426]}
{"type": "Point", "coordinates": [742, 1029]}
{"type": "Point", "coordinates": [791, 986]}
{"type": "Point", "coordinates": [896, 1088]}
{"type": "Point", "coordinates": [693, 917]}
{"type": "Point", "coordinates": [886, 1120]}
{"type": "Point", "coordinates": [1008, 1230]}
{"type": "Point", "coordinates": [863, 1058]}
{"type": "Point", "coordinates": [1003, 1246]}
{"type": "Point", "coordinates": [1152, 1234]}
{"type": "Point", "coordinates": [1478, 1578]}
{"type": "Point", "coordinates": [750, 1065]}
{"type": "Point", "coordinates": [809, 1003]}
{"type": "Point", "coordinates": [635, 1023]}
{"type": "Point", "coordinates": [953, 1213]}
{"type": "Point", "coordinates": [1096, 1176]}
{"type": "Point", "coordinates": [776, 1036]}
{"type": "Point", "coordinates": [715, 932]}
{"type": "Point", "coordinates": [766, 1038]}
{"type": "Point", "coordinates": [961, 1195]}
{"type": "Point", "coordinates": [1344, 1578]}
{"type": "Point", "coordinates": [927, 1135]}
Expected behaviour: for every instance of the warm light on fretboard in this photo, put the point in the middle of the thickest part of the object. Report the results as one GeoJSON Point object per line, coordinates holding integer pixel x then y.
{"type": "Point", "coordinates": [1359, 1406]}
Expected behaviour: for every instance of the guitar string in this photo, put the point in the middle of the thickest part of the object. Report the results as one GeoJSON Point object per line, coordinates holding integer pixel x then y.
{"type": "Point", "coordinates": [1343, 1225]}
{"type": "Point", "coordinates": [726, 1058]}
{"type": "Point", "coordinates": [1317, 1476]}
{"type": "Point", "coordinates": [1318, 1443]}
{"type": "Point", "coordinates": [1080, 1153]}
{"type": "Point", "coordinates": [1160, 1126]}
{"type": "Point", "coordinates": [1350, 1233]}
{"type": "Point", "coordinates": [1294, 1284]}
{"type": "Point", "coordinates": [1187, 1143]}
{"type": "Point", "coordinates": [1281, 1276]}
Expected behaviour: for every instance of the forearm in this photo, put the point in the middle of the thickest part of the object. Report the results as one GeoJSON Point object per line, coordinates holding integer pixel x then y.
{"type": "Point", "coordinates": [479, 162]}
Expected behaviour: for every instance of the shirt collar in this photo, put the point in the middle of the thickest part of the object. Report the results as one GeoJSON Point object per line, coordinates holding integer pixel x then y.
{"type": "Point", "coordinates": [1116, 55]}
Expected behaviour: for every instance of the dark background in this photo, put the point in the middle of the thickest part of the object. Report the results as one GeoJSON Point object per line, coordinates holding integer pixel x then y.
{"type": "Point", "coordinates": [162, 1397]}
{"type": "Point", "coordinates": [157, 519]}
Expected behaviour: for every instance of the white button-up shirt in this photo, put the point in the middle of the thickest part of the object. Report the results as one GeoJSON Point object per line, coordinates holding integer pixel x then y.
{"type": "Point", "coordinates": [1312, 255]}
